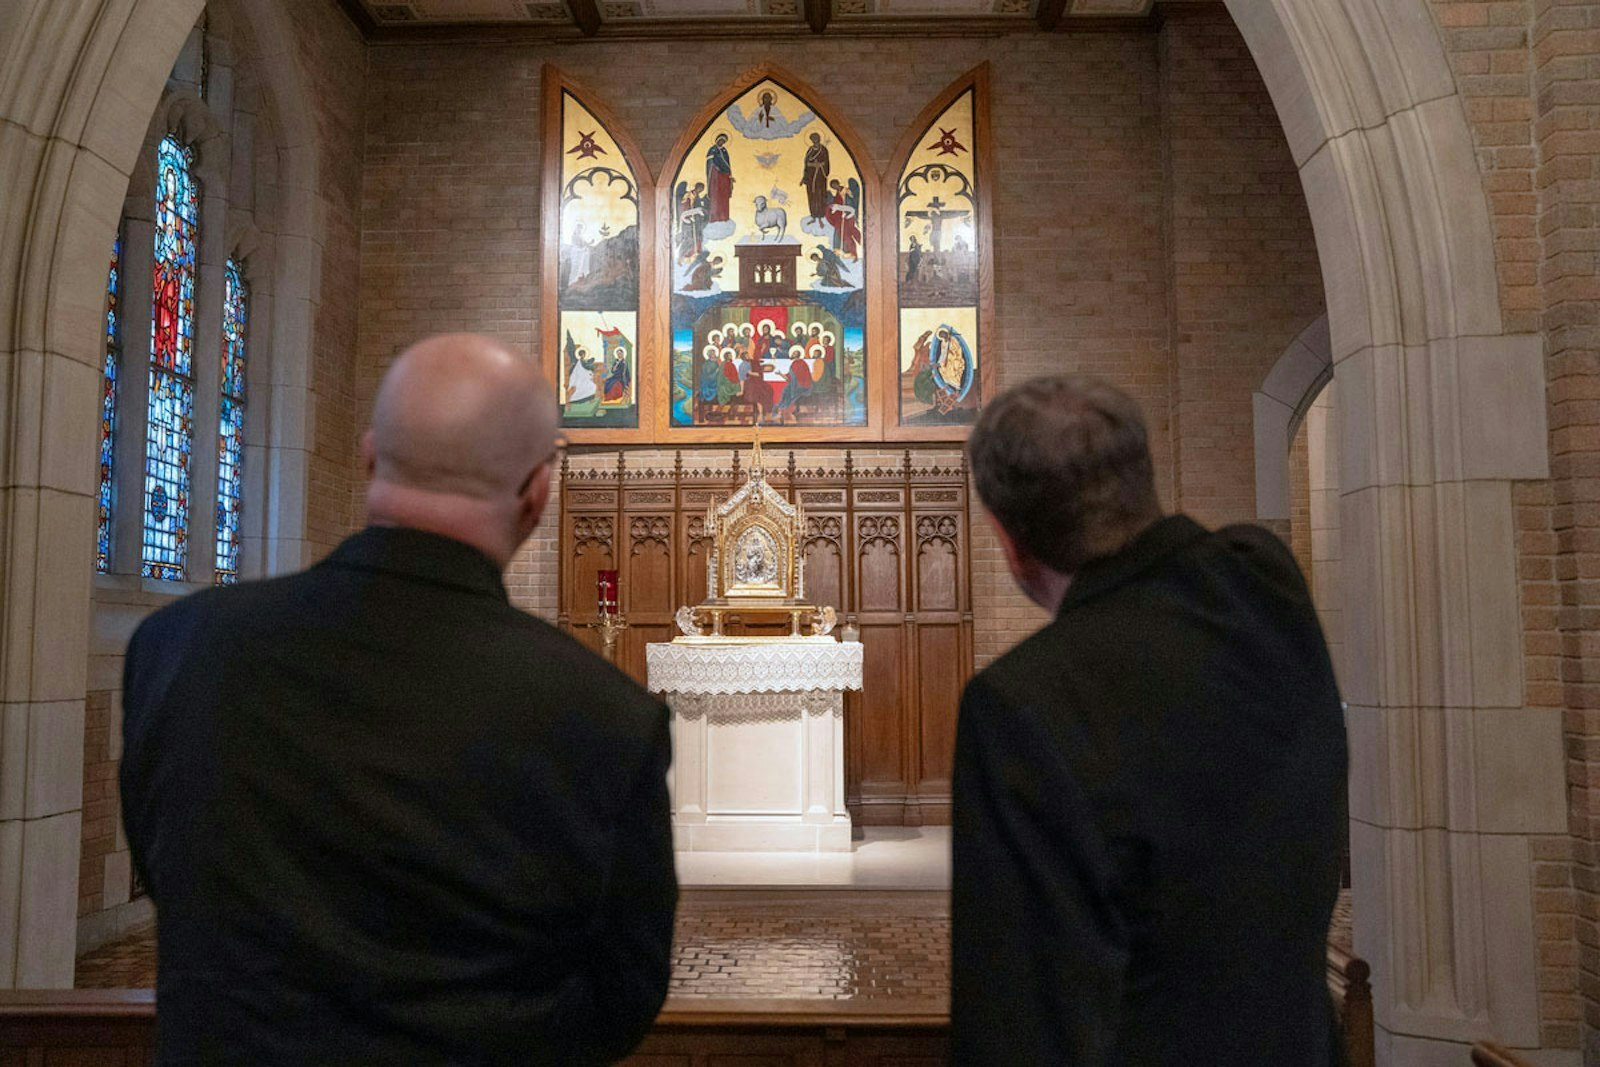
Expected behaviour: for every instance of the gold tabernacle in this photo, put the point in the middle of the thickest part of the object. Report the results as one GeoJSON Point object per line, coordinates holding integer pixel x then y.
{"type": "Point", "coordinates": [756, 567]}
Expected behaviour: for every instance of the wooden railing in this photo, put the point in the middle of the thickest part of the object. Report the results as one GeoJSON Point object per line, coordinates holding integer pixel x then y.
{"type": "Point", "coordinates": [116, 1028]}
{"type": "Point", "coordinates": [1350, 982]}
{"type": "Point", "coordinates": [105, 1027]}
{"type": "Point", "coordinates": [1489, 1054]}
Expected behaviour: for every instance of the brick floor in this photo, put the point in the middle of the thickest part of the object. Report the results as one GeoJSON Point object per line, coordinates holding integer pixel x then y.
{"type": "Point", "coordinates": [827, 945]}
{"type": "Point", "coordinates": [759, 944]}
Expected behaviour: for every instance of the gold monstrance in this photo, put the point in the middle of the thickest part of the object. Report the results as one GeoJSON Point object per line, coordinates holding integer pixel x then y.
{"type": "Point", "coordinates": [756, 566]}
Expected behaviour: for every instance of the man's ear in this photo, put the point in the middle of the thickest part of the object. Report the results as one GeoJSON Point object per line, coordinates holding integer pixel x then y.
{"type": "Point", "coordinates": [369, 458]}
{"type": "Point", "coordinates": [535, 498]}
{"type": "Point", "coordinates": [1022, 565]}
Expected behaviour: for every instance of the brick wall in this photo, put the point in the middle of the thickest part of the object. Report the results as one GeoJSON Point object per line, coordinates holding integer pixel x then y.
{"type": "Point", "coordinates": [450, 217]}
{"type": "Point", "coordinates": [1300, 500]}
{"type": "Point", "coordinates": [1565, 44]}
{"type": "Point", "coordinates": [1527, 73]}
{"type": "Point", "coordinates": [1245, 276]}
{"type": "Point", "coordinates": [334, 59]}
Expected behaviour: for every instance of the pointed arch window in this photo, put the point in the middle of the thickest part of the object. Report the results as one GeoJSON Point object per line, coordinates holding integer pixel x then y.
{"type": "Point", "coordinates": [597, 264]}
{"type": "Point", "coordinates": [230, 434]}
{"type": "Point", "coordinates": [108, 406]}
{"type": "Point", "coordinates": [943, 280]}
{"type": "Point", "coordinates": [169, 429]}
{"type": "Point", "coordinates": [768, 313]}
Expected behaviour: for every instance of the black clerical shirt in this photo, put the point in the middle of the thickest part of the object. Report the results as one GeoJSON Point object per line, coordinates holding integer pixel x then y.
{"type": "Point", "coordinates": [1149, 794]}
{"type": "Point", "coordinates": [388, 818]}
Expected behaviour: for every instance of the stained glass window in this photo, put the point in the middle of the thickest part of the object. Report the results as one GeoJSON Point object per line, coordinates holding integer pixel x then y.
{"type": "Point", "coordinates": [108, 404]}
{"type": "Point", "coordinates": [169, 434]}
{"type": "Point", "coordinates": [230, 435]}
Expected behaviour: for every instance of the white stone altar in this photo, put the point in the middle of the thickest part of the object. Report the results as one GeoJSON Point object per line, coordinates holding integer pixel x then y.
{"type": "Point", "coordinates": [757, 741]}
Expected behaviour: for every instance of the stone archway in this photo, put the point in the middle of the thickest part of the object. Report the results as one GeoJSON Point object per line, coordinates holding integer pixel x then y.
{"type": "Point", "coordinates": [1441, 412]}
{"type": "Point", "coordinates": [69, 143]}
{"type": "Point", "coordinates": [1296, 377]}
{"type": "Point", "coordinates": [1451, 774]}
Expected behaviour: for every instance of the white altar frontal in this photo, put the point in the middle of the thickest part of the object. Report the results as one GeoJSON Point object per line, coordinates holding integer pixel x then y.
{"type": "Point", "coordinates": [757, 741]}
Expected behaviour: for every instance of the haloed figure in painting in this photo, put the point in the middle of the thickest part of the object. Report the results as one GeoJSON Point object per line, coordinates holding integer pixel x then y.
{"type": "Point", "coordinates": [719, 180]}
{"type": "Point", "coordinates": [815, 178]}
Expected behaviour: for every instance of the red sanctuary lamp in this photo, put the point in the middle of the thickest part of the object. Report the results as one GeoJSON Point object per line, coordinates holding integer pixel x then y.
{"type": "Point", "coordinates": [608, 618]}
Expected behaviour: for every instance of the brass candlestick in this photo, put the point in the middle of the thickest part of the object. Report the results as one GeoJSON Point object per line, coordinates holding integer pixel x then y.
{"type": "Point", "coordinates": [610, 624]}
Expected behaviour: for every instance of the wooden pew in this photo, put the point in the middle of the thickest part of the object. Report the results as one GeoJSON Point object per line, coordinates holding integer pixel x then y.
{"type": "Point", "coordinates": [116, 1028]}
{"type": "Point", "coordinates": [1489, 1054]}
{"type": "Point", "coordinates": [1350, 982]}
{"type": "Point", "coordinates": [77, 1027]}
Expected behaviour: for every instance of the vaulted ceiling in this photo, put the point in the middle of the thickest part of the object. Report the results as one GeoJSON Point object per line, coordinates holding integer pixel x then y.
{"type": "Point", "coordinates": [402, 20]}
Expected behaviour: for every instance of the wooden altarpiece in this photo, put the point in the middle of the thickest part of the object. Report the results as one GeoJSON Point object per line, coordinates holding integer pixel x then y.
{"type": "Point", "coordinates": [888, 547]}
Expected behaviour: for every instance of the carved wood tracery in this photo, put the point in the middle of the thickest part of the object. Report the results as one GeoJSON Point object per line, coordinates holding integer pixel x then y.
{"type": "Point", "coordinates": [886, 546]}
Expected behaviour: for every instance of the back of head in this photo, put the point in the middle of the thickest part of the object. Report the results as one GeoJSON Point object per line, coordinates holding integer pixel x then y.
{"type": "Point", "coordinates": [460, 428]}
{"type": "Point", "coordinates": [1063, 464]}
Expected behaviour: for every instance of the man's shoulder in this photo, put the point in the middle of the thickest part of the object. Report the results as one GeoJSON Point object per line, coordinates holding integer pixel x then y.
{"type": "Point", "coordinates": [577, 665]}
{"type": "Point", "coordinates": [208, 606]}
{"type": "Point", "coordinates": [1050, 649]}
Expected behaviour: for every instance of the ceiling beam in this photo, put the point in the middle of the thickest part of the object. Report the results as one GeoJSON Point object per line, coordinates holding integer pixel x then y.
{"type": "Point", "coordinates": [817, 14]}
{"type": "Point", "coordinates": [1050, 12]}
{"type": "Point", "coordinates": [586, 13]}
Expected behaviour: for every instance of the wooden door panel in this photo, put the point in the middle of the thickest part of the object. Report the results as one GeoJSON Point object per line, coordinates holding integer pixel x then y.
{"type": "Point", "coordinates": [649, 578]}
{"type": "Point", "coordinates": [878, 538]}
{"type": "Point", "coordinates": [882, 728]}
{"type": "Point", "coordinates": [938, 588]}
{"type": "Point", "coordinates": [940, 677]}
{"type": "Point", "coordinates": [825, 570]}
{"type": "Point", "coordinates": [591, 550]}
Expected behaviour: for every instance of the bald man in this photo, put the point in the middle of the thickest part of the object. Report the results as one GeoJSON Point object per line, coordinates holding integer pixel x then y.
{"type": "Point", "coordinates": [387, 818]}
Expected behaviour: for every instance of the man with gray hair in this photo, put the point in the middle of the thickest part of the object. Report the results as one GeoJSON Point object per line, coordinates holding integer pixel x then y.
{"type": "Point", "coordinates": [1149, 791]}
{"type": "Point", "coordinates": [386, 817]}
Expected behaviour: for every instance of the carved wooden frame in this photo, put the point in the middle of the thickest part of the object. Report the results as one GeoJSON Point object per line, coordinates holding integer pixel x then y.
{"type": "Point", "coordinates": [554, 85]}
{"type": "Point", "coordinates": [872, 238]}
{"type": "Point", "coordinates": [976, 80]}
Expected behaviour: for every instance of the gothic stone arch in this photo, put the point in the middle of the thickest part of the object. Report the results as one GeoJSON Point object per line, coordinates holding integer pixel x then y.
{"type": "Point", "coordinates": [1441, 412]}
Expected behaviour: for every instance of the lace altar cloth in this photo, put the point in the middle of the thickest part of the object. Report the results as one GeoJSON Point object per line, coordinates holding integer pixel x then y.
{"type": "Point", "coordinates": [765, 667]}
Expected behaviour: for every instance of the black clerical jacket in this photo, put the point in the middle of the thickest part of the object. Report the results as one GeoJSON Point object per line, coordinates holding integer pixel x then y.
{"type": "Point", "coordinates": [1149, 795]}
{"type": "Point", "coordinates": [387, 818]}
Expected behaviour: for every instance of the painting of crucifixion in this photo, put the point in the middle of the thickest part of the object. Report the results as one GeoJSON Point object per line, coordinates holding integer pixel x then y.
{"type": "Point", "coordinates": [937, 276]}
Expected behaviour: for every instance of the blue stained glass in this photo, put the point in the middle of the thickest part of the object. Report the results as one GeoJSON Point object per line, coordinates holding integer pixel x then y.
{"type": "Point", "coordinates": [108, 407]}
{"type": "Point", "coordinates": [230, 435]}
{"type": "Point", "coordinates": [168, 441]}
{"type": "Point", "coordinates": [169, 431]}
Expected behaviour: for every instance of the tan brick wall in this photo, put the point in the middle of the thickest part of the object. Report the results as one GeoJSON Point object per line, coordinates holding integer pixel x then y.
{"type": "Point", "coordinates": [101, 809]}
{"type": "Point", "coordinates": [1300, 500]}
{"type": "Point", "coordinates": [334, 60]}
{"type": "Point", "coordinates": [1565, 40]}
{"type": "Point", "coordinates": [1245, 276]}
{"type": "Point", "coordinates": [1527, 72]}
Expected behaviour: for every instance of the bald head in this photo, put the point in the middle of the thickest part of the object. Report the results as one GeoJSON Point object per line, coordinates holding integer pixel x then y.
{"type": "Point", "coordinates": [459, 425]}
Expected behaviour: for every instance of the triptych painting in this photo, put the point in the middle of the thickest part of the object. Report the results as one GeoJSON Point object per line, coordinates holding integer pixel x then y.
{"type": "Point", "coordinates": [771, 275]}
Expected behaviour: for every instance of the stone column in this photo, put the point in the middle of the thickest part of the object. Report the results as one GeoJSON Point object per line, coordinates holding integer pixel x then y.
{"type": "Point", "coordinates": [69, 143]}
{"type": "Point", "coordinates": [1441, 410]}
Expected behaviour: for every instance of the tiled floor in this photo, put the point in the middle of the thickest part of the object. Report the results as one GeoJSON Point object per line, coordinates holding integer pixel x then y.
{"type": "Point", "coordinates": [774, 926]}
{"type": "Point", "coordinates": [738, 943]}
